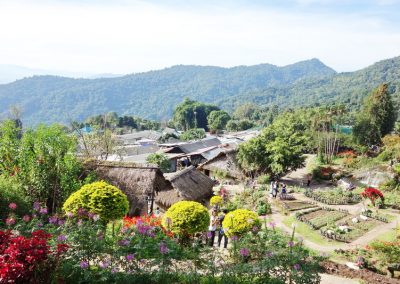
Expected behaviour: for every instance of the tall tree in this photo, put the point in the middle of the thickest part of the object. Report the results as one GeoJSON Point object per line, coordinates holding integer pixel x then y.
{"type": "Point", "coordinates": [217, 120]}
{"type": "Point", "coordinates": [377, 117]}
{"type": "Point", "coordinates": [192, 114]}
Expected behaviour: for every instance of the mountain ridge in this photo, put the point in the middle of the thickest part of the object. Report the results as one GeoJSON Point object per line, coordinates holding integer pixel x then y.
{"type": "Point", "coordinates": [154, 94]}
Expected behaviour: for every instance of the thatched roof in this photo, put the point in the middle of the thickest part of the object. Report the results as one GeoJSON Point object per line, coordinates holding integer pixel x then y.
{"type": "Point", "coordinates": [225, 162]}
{"type": "Point", "coordinates": [188, 184]}
{"type": "Point", "coordinates": [136, 181]}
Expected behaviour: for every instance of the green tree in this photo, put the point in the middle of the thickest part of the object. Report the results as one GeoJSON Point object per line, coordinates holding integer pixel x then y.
{"type": "Point", "coordinates": [376, 118]}
{"type": "Point", "coordinates": [49, 168]}
{"type": "Point", "coordinates": [10, 142]}
{"type": "Point", "coordinates": [193, 134]}
{"type": "Point", "coordinates": [161, 160]}
{"type": "Point", "coordinates": [191, 114]}
{"type": "Point", "coordinates": [217, 120]}
{"type": "Point", "coordinates": [278, 149]}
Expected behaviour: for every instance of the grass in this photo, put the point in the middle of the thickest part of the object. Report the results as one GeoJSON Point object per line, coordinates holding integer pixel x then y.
{"type": "Point", "coordinates": [307, 233]}
{"type": "Point", "coordinates": [388, 236]}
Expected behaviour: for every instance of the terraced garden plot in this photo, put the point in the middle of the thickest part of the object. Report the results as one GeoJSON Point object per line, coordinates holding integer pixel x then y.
{"type": "Point", "coordinates": [321, 218]}
{"type": "Point", "coordinates": [297, 205]}
{"type": "Point", "coordinates": [358, 229]}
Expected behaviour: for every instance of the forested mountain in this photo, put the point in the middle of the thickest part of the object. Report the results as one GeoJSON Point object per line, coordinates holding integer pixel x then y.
{"type": "Point", "coordinates": [155, 94]}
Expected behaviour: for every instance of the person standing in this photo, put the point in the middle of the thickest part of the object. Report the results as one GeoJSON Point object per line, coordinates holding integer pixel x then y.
{"type": "Point", "coordinates": [275, 189]}
{"type": "Point", "coordinates": [213, 227]}
{"type": "Point", "coordinates": [221, 233]}
{"type": "Point", "coordinates": [284, 191]}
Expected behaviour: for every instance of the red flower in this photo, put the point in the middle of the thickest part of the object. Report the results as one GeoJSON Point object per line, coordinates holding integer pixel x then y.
{"type": "Point", "coordinates": [372, 194]}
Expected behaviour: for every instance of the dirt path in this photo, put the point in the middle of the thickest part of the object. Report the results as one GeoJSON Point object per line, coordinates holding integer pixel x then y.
{"type": "Point", "coordinates": [333, 279]}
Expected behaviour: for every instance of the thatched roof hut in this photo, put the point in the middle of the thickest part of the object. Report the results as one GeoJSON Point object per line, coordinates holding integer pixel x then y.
{"type": "Point", "coordinates": [224, 162]}
{"type": "Point", "coordinates": [188, 184]}
{"type": "Point", "coordinates": [136, 181]}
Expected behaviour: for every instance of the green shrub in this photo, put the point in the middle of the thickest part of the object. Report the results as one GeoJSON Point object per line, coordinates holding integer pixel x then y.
{"type": "Point", "coordinates": [12, 192]}
{"type": "Point", "coordinates": [264, 179]}
{"type": "Point", "coordinates": [239, 222]}
{"type": "Point", "coordinates": [160, 160]}
{"type": "Point", "coordinates": [263, 208]}
{"type": "Point", "coordinates": [100, 198]}
{"type": "Point", "coordinates": [186, 217]}
{"type": "Point", "coordinates": [216, 200]}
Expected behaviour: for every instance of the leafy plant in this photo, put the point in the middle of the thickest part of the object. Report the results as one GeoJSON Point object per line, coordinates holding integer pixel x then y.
{"type": "Point", "coordinates": [239, 222]}
{"type": "Point", "coordinates": [160, 160]}
{"type": "Point", "coordinates": [185, 218]}
{"type": "Point", "coordinates": [216, 200]}
{"type": "Point", "coordinates": [100, 198]}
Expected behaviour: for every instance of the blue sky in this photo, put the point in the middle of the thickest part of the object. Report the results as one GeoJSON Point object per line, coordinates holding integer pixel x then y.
{"type": "Point", "coordinates": [122, 36]}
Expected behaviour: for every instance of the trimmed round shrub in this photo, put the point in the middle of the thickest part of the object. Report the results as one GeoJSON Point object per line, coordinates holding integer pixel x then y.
{"type": "Point", "coordinates": [186, 218]}
{"type": "Point", "coordinates": [239, 222]}
{"type": "Point", "coordinates": [101, 198]}
{"type": "Point", "coordinates": [216, 200]}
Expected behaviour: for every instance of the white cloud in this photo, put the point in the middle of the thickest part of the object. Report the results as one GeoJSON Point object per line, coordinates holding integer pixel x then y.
{"type": "Point", "coordinates": [132, 37]}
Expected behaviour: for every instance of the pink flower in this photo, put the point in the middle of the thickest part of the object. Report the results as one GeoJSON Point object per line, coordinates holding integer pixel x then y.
{"type": "Point", "coordinates": [234, 238]}
{"type": "Point", "coordinates": [69, 214]}
{"type": "Point", "coordinates": [290, 244]}
{"type": "Point", "coordinates": [10, 221]}
{"type": "Point", "coordinates": [12, 206]}
{"type": "Point", "coordinates": [130, 257]}
{"type": "Point", "coordinates": [26, 218]}
{"type": "Point", "coordinates": [61, 238]}
{"type": "Point", "coordinates": [272, 224]}
{"type": "Point", "coordinates": [244, 252]}
{"type": "Point", "coordinates": [297, 266]}
{"type": "Point", "coordinates": [43, 210]}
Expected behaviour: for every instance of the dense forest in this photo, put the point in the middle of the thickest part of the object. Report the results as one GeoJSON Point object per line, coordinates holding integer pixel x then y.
{"type": "Point", "coordinates": [154, 95]}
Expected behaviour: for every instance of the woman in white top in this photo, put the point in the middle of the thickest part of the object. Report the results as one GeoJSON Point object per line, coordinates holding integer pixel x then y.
{"type": "Point", "coordinates": [213, 226]}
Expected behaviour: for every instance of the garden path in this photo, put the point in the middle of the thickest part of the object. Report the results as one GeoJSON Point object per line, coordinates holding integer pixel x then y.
{"type": "Point", "coordinates": [333, 279]}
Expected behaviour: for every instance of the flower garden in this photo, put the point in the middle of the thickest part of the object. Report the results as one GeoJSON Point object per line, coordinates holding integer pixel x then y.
{"type": "Point", "coordinates": [334, 197]}
{"type": "Point", "coordinates": [92, 240]}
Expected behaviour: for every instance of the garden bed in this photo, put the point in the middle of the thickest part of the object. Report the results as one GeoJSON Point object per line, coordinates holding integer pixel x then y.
{"type": "Point", "coordinates": [320, 217]}
{"type": "Point", "coordinates": [334, 197]}
{"type": "Point", "coordinates": [297, 205]}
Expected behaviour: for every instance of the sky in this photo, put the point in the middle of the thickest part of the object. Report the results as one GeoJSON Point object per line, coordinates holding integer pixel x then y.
{"type": "Point", "coordinates": [128, 36]}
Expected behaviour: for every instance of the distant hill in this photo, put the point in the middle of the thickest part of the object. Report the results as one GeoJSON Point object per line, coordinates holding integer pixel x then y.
{"type": "Point", "coordinates": [154, 94]}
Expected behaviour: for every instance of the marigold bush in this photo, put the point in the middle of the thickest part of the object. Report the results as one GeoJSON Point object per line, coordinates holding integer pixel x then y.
{"type": "Point", "coordinates": [186, 218]}
{"type": "Point", "coordinates": [239, 222]}
{"type": "Point", "coordinates": [216, 200]}
{"type": "Point", "coordinates": [100, 198]}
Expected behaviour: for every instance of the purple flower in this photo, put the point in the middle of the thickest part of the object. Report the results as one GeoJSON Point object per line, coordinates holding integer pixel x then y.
{"type": "Point", "coordinates": [130, 257]}
{"type": "Point", "coordinates": [234, 238]}
{"type": "Point", "coordinates": [124, 242]}
{"type": "Point", "coordinates": [104, 264]}
{"type": "Point", "coordinates": [163, 248]}
{"type": "Point", "coordinates": [84, 264]}
{"type": "Point", "coordinates": [61, 238]}
{"type": "Point", "coordinates": [209, 235]}
{"type": "Point", "coordinates": [69, 214]}
{"type": "Point", "coordinates": [61, 222]}
{"type": "Point", "coordinates": [43, 210]}
{"type": "Point", "coordinates": [290, 244]}
{"type": "Point", "coordinates": [272, 224]}
{"type": "Point", "coordinates": [40, 225]}
{"type": "Point", "coordinates": [151, 234]}
{"type": "Point", "coordinates": [91, 215]}
{"type": "Point", "coordinates": [297, 266]}
{"type": "Point", "coordinates": [114, 270]}
{"type": "Point", "coordinates": [12, 206]}
{"type": "Point", "coordinates": [244, 252]}
{"type": "Point", "coordinates": [254, 229]}
{"type": "Point", "coordinates": [36, 206]}
{"type": "Point", "coordinates": [53, 220]}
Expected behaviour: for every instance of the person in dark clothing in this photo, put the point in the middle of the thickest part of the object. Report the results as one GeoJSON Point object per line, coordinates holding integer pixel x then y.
{"type": "Point", "coordinates": [221, 233]}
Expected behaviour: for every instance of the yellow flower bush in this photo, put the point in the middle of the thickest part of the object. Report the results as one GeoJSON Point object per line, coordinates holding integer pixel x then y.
{"type": "Point", "coordinates": [216, 200]}
{"type": "Point", "coordinates": [101, 198]}
{"type": "Point", "coordinates": [239, 222]}
{"type": "Point", "coordinates": [186, 218]}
